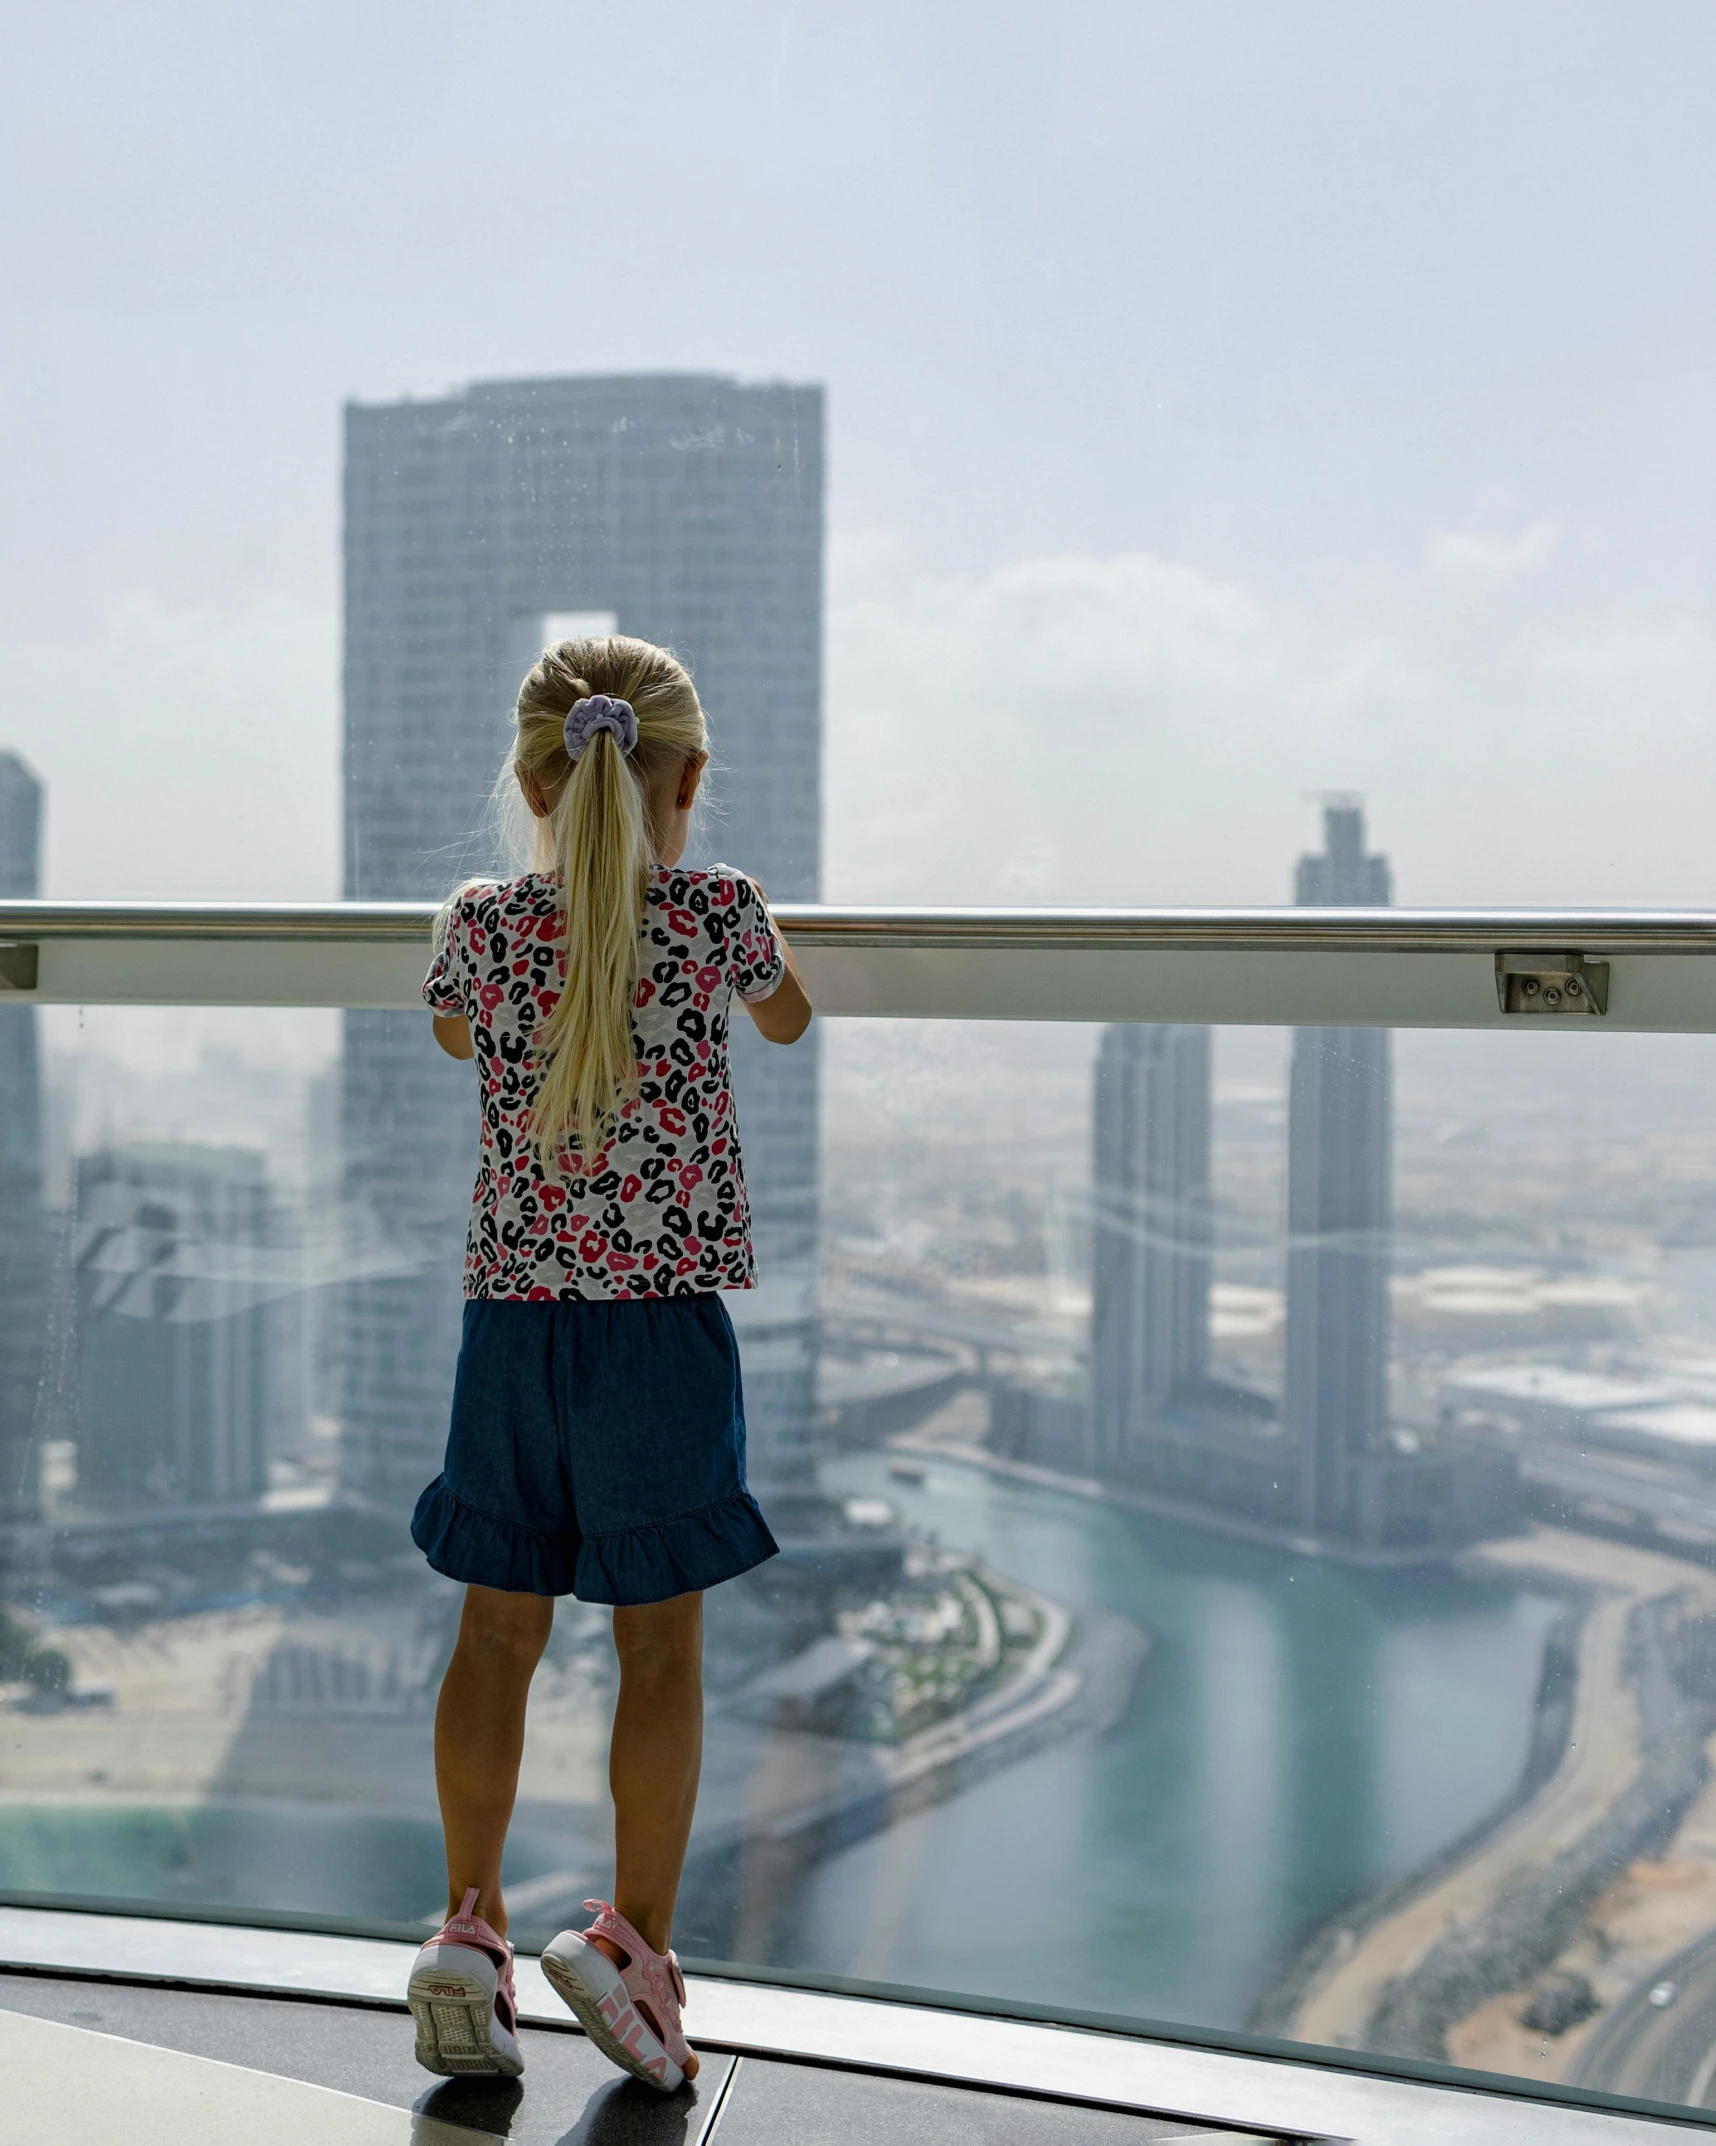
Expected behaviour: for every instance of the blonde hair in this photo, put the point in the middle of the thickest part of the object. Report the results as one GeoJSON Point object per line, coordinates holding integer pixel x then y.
{"type": "Point", "coordinates": [596, 844]}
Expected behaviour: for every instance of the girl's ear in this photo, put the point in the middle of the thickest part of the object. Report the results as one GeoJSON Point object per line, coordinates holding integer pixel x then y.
{"type": "Point", "coordinates": [690, 776]}
{"type": "Point", "coordinates": [534, 795]}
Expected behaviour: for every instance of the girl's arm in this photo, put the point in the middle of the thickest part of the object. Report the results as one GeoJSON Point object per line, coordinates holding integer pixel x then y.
{"type": "Point", "coordinates": [453, 1034]}
{"type": "Point", "coordinates": [785, 1014]}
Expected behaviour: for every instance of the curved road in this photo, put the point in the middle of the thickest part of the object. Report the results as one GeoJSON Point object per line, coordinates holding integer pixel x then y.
{"type": "Point", "coordinates": [1661, 2052]}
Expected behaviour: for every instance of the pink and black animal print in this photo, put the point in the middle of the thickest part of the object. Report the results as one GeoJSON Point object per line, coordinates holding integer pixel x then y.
{"type": "Point", "coordinates": [661, 1210]}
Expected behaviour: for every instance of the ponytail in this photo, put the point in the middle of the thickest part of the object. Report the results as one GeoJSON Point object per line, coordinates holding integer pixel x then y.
{"type": "Point", "coordinates": [602, 861]}
{"type": "Point", "coordinates": [596, 843]}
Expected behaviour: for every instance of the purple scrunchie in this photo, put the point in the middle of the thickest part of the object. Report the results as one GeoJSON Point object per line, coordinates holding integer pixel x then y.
{"type": "Point", "coordinates": [600, 712]}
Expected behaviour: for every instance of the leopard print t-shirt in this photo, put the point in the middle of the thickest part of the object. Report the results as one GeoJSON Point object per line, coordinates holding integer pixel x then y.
{"type": "Point", "coordinates": [661, 1211]}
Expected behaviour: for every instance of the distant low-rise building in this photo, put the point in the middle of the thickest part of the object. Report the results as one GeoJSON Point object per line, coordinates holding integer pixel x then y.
{"type": "Point", "coordinates": [1682, 1432]}
{"type": "Point", "coordinates": [1665, 1413]}
{"type": "Point", "coordinates": [1550, 1399]}
{"type": "Point", "coordinates": [1470, 1307]}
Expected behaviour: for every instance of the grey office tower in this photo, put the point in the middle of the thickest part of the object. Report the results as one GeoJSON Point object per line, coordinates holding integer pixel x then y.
{"type": "Point", "coordinates": [1340, 1138]}
{"type": "Point", "coordinates": [1150, 1252]}
{"type": "Point", "coordinates": [690, 510]}
{"type": "Point", "coordinates": [178, 1337]}
{"type": "Point", "coordinates": [24, 1250]}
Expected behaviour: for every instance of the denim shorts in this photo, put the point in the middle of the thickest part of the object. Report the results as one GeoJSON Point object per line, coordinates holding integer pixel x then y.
{"type": "Point", "coordinates": [597, 1449]}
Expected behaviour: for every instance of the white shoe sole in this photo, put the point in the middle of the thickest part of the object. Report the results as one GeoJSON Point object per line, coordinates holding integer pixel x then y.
{"type": "Point", "coordinates": [590, 1983]}
{"type": "Point", "coordinates": [452, 1998]}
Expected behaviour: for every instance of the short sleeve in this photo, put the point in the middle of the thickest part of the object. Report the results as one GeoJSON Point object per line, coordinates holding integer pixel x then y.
{"type": "Point", "coordinates": [756, 959]}
{"type": "Point", "coordinates": [444, 987]}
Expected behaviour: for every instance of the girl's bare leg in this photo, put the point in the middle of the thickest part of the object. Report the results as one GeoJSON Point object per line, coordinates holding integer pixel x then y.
{"type": "Point", "coordinates": [479, 1737]}
{"type": "Point", "coordinates": [653, 1762]}
{"type": "Point", "coordinates": [655, 1757]}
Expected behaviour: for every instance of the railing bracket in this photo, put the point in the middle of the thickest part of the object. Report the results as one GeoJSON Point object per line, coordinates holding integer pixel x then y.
{"type": "Point", "coordinates": [1551, 983]}
{"type": "Point", "coordinates": [19, 964]}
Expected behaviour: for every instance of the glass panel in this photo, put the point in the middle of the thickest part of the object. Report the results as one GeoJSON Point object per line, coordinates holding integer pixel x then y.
{"type": "Point", "coordinates": [1348, 1694]}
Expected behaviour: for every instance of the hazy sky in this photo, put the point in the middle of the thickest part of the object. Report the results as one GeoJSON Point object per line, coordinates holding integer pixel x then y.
{"type": "Point", "coordinates": [1228, 399]}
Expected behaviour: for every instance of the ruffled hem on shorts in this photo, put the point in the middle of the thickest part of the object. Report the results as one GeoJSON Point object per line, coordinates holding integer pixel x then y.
{"type": "Point", "coordinates": [627, 1568]}
{"type": "Point", "coordinates": [674, 1557]}
{"type": "Point", "coordinates": [468, 1544]}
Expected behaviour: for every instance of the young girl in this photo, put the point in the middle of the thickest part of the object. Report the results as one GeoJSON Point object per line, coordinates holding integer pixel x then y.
{"type": "Point", "coordinates": [597, 1445]}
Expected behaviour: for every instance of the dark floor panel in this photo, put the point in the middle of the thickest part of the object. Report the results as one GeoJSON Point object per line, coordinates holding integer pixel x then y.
{"type": "Point", "coordinates": [569, 2096]}
{"type": "Point", "coordinates": [803, 2105]}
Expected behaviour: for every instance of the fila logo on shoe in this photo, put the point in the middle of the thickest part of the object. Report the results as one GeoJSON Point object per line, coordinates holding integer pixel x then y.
{"type": "Point", "coordinates": [630, 2032]}
{"type": "Point", "coordinates": [634, 2039]}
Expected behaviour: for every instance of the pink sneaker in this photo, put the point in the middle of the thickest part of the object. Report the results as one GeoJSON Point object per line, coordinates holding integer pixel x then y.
{"type": "Point", "coordinates": [631, 2013]}
{"type": "Point", "coordinates": [461, 1998]}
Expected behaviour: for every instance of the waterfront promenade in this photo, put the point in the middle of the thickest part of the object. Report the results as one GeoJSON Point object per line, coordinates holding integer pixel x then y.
{"type": "Point", "coordinates": [1479, 1912]}
{"type": "Point", "coordinates": [277, 1738]}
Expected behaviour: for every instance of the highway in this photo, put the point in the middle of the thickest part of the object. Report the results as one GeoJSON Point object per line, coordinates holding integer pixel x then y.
{"type": "Point", "coordinates": [1661, 2052]}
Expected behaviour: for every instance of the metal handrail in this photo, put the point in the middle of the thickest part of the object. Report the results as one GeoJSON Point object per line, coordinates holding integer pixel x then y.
{"type": "Point", "coordinates": [1375, 931]}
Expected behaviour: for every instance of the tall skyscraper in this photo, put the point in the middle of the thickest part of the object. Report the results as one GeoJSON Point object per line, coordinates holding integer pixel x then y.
{"type": "Point", "coordinates": [686, 509]}
{"type": "Point", "coordinates": [24, 1249]}
{"type": "Point", "coordinates": [1151, 1232]}
{"type": "Point", "coordinates": [178, 1354]}
{"type": "Point", "coordinates": [1340, 1138]}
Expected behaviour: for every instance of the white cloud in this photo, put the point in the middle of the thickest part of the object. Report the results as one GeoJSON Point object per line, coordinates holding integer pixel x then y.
{"type": "Point", "coordinates": [1669, 661]}
{"type": "Point", "coordinates": [1128, 730]}
{"type": "Point", "coordinates": [1074, 621]}
{"type": "Point", "coordinates": [1074, 728]}
{"type": "Point", "coordinates": [1489, 556]}
{"type": "Point", "coordinates": [979, 724]}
